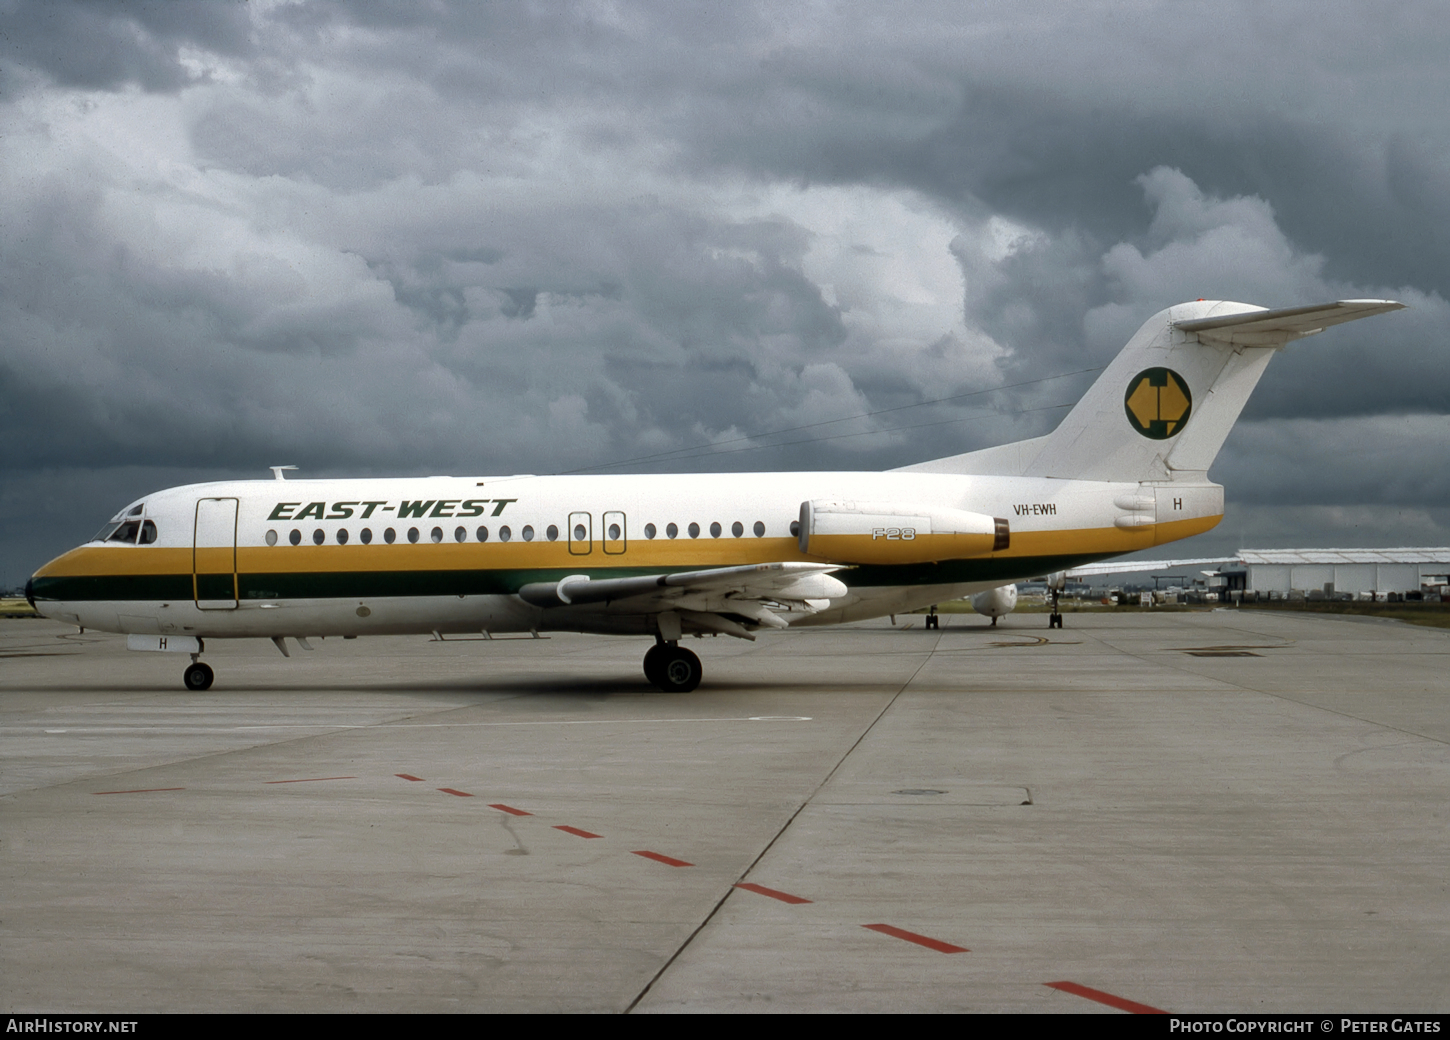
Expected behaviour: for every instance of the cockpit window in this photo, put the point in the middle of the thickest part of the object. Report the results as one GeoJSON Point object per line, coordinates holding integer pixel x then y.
{"type": "Point", "coordinates": [131, 532]}
{"type": "Point", "coordinates": [122, 528]}
{"type": "Point", "coordinates": [126, 532]}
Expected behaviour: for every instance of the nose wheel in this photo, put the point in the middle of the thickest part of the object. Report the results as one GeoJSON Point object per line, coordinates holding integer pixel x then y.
{"type": "Point", "coordinates": [672, 668]}
{"type": "Point", "coordinates": [198, 676]}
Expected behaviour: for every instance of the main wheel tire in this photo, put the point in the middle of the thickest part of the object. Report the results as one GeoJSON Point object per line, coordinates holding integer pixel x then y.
{"type": "Point", "coordinates": [680, 671]}
{"type": "Point", "coordinates": [654, 663]}
{"type": "Point", "coordinates": [198, 677]}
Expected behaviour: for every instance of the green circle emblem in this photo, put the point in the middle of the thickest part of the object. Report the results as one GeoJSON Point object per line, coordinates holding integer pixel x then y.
{"type": "Point", "coordinates": [1158, 403]}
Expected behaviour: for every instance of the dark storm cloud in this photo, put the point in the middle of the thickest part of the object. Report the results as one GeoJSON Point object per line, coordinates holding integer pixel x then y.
{"type": "Point", "coordinates": [394, 237]}
{"type": "Point", "coordinates": [1064, 300]}
{"type": "Point", "coordinates": [1380, 460]}
{"type": "Point", "coordinates": [99, 44]}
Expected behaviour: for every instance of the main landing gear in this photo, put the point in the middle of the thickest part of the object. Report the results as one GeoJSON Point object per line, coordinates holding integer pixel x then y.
{"type": "Point", "coordinates": [671, 668]}
{"type": "Point", "coordinates": [198, 676]}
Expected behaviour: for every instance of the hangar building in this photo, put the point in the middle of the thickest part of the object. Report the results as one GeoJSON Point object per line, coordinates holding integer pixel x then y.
{"type": "Point", "coordinates": [1353, 571]}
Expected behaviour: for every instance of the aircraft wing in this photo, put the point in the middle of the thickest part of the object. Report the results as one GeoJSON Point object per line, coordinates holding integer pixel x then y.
{"type": "Point", "coordinates": [1265, 327]}
{"type": "Point", "coordinates": [1143, 566]}
{"type": "Point", "coordinates": [750, 591]}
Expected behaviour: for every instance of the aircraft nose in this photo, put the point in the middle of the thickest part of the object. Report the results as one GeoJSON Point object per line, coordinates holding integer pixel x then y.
{"type": "Point", "coordinates": [30, 592]}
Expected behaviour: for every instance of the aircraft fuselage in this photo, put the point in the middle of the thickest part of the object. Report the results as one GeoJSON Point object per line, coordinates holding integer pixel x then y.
{"type": "Point", "coordinates": [450, 554]}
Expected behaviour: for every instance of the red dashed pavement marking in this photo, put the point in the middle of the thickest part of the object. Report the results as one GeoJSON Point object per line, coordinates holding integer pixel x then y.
{"type": "Point", "coordinates": [784, 897]}
{"type": "Point", "coordinates": [920, 940]}
{"type": "Point", "coordinates": [1106, 998]}
{"type": "Point", "coordinates": [661, 858]}
{"type": "Point", "coordinates": [1121, 1003]}
{"type": "Point", "coordinates": [575, 830]}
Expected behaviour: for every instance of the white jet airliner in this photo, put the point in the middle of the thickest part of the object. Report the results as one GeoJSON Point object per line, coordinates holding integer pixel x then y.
{"type": "Point", "coordinates": [672, 555]}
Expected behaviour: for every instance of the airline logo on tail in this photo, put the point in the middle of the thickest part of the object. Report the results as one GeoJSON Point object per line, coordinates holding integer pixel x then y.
{"type": "Point", "coordinates": [1158, 403]}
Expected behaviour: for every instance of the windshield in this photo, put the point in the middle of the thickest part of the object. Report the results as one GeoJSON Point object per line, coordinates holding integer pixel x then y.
{"type": "Point", "coordinates": [129, 532]}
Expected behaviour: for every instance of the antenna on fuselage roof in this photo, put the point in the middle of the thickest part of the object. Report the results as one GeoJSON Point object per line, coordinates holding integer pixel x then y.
{"type": "Point", "coordinates": [277, 471]}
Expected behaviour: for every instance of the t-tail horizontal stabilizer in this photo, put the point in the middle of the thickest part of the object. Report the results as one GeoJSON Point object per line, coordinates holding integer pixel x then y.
{"type": "Point", "coordinates": [1272, 328]}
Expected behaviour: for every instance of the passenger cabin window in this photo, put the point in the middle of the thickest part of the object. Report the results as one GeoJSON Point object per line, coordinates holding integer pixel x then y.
{"type": "Point", "coordinates": [759, 529]}
{"type": "Point", "coordinates": [271, 537]}
{"type": "Point", "coordinates": [553, 533]}
{"type": "Point", "coordinates": [390, 536]}
{"type": "Point", "coordinates": [694, 530]}
{"type": "Point", "coordinates": [295, 537]}
{"type": "Point", "coordinates": [649, 530]}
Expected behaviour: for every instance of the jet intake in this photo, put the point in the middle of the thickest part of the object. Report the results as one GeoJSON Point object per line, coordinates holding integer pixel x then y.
{"type": "Point", "coordinates": [897, 533]}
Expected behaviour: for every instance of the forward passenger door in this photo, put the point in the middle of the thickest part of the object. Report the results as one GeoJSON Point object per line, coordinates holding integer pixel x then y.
{"type": "Point", "coordinates": [214, 554]}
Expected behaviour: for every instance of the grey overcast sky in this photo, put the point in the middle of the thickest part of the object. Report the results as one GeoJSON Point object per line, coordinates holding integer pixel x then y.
{"type": "Point", "coordinates": [404, 238]}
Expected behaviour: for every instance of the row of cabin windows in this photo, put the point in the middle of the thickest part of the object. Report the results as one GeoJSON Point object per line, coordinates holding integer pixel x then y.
{"type": "Point", "coordinates": [460, 534]}
{"type": "Point", "coordinates": [505, 534]}
{"type": "Point", "coordinates": [737, 529]}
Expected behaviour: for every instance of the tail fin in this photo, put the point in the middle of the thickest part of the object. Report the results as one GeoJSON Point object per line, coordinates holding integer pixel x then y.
{"type": "Point", "coordinates": [1165, 405]}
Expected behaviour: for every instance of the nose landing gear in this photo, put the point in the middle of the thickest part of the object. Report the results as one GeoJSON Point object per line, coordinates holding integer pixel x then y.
{"type": "Point", "coordinates": [198, 676]}
{"type": "Point", "coordinates": [671, 668]}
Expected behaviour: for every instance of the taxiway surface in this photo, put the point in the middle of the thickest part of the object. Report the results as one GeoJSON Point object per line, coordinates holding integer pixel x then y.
{"type": "Point", "coordinates": [1226, 811]}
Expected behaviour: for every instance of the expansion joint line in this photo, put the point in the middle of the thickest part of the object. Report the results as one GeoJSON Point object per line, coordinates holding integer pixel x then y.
{"type": "Point", "coordinates": [783, 828]}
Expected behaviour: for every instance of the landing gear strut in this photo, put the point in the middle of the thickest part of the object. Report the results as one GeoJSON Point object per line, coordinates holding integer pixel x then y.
{"type": "Point", "coordinates": [933, 621]}
{"type": "Point", "coordinates": [1054, 620]}
{"type": "Point", "coordinates": [198, 676]}
{"type": "Point", "coordinates": [671, 668]}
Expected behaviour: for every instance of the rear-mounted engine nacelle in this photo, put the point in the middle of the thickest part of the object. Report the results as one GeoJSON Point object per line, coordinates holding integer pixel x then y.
{"type": "Point", "coordinates": [896, 533]}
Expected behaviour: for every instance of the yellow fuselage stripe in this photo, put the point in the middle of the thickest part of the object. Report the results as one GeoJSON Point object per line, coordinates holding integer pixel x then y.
{"type": "Point", "coordinates": [660, 553]}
